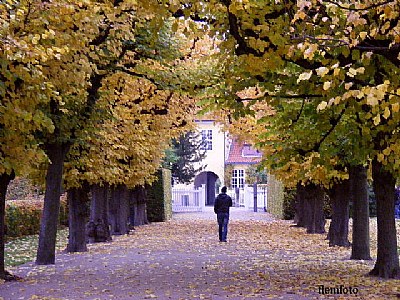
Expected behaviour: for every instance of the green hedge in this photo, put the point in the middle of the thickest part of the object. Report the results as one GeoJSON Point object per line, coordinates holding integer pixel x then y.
{"type": "Point", "coordinates": [23, 216]}
{"type": "Point", "coordinates": [22, 188]}
{"type": "Point", "coordinates": [289, 204]}
{"type": "Point", "coordinates": [159, 198]}
{"type": "Point", "coordinates": [275, 197]}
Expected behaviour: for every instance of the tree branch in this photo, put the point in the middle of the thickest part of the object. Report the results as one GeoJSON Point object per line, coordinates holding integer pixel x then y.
{"type": "Point", "coordinates": [318, 144]}
{"type": "Point", "coordinates": [360, 9]}
{"type": "Point", "coordinates": [334, 123]}
{"type": "Point", "coordinates": [234, 30]}
{"type": "Point", "coordinates": [380, 47]}
{"type": "Point", "coordinates": [300, 96]}
{"type": "Point", "coordinates": [300, 111]}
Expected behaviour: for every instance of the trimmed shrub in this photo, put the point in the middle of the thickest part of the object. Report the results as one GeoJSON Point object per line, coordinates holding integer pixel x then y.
{"type": "Point", "coordinates": [22, 188]}
{"type": "Point", "coordinates": [23, 216]}
{"type": "Point", "coordinates": [289, 204]}
{"type": "Point", "coordinates": [372, 202]}
{"type": "Point", "coordinates": [275, 197]}
{"type": "Point", "coordinates": [327, 207]}
{"type": "Point", "coordinates": [159, 198]}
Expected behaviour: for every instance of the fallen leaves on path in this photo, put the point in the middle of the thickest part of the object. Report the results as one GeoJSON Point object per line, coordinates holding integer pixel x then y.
{"type": "Point", "coordinates": [182, 259]}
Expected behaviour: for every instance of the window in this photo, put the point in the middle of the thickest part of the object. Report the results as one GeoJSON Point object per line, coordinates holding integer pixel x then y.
{"type": "Point", "coordinates": [249, 151]}
{"type": "Point", "coordinates": [238, 178]}
{"type": "Point", "coordinates": [206, 137]}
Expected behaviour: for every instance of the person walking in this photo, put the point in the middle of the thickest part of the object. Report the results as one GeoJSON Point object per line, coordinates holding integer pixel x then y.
{"type": "Point", "coordinates": [221, 207]}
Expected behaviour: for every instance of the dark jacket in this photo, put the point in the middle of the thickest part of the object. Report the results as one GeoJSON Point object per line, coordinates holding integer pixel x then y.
{"type": "Point", "coordinates": [222, 203]}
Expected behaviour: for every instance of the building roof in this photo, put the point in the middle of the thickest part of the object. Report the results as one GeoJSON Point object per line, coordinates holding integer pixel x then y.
{"type": "Point", "coordinates": [243, 153]}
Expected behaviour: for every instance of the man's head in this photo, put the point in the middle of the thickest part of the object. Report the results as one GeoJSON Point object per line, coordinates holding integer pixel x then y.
{"type": "Point", "coordinates": [223, 190]}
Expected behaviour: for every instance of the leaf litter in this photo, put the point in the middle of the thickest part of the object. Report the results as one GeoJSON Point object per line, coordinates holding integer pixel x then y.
{"type": "Point", "coordinates": [182, 259]}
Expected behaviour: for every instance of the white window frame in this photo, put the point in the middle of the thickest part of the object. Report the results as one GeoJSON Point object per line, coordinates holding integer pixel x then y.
{"type": "Point", "coordinates": [238, 178]}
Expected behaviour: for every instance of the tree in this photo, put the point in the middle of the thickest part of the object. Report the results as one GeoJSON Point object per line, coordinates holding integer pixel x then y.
{"type": "Point", "coordinates": [133, 120]}
{"type": "Point", "coordinates": [106, 53]}
{"type": "Point", "coordinates": [359, 189]}
{"type": "Point", "coordinates": [24, 89]}
{"type": "Point", "coordinates": [338, 59]}
{"type": "Point", "coordinates": [377, 47]}
{"type": "Point", "coordinates": [255, 174]}
{"type": "Point", "coordinates": [73, 28]}
{"type": "Point", "coordinates": [125, 149]}
{"type": "Point", "coordinates": [189, 152]}
{"type": "Point", "coordinates": [339, 227]}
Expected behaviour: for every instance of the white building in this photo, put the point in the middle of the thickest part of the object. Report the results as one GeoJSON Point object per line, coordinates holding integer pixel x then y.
{"type": "Point", "coordinates": [226, 160]}
{"type": "Point", "coordinates": [221, 152]}
{"type": "Point", "coordinates": [216, 145]}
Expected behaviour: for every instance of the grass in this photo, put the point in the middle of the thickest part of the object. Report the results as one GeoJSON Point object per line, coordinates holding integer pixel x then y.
{"type": "Point", "coordinates": [21, 250]}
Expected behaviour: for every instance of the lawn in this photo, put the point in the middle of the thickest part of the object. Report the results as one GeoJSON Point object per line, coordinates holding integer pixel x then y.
{"type": "Point", "coordinates": [21, 250]}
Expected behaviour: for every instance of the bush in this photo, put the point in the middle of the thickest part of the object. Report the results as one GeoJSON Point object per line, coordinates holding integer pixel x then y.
{"type": "Point", "coordinates": [159, 198]}
{"type": "Point", "coordinates": [22, 188]}
{"type": "Point", "coordinates": [327, 207]}
{"type": "Point", "coordinates": [289, 204]}
{"type": "Point", "coordinates": [275, 197]}
{"type": "Point", "coordinates": [23, 216]}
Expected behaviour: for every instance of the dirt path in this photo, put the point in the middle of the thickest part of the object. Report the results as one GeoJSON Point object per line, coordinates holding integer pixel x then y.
{"type": "Point", "coordinates": [182, 259]}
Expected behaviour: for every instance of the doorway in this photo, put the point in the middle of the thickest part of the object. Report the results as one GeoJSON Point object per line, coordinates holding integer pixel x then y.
{"type": "Point", "coordinates": [212, 183]}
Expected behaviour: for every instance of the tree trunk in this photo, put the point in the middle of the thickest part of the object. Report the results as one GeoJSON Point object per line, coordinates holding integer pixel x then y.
{"type": "Point", "coordinates": [46, 252]}
{"type": "Point", "coordinates": [339, 229]}
{"type": "Point", "coordinates": [387, 262]}
{"type": "Point", "coordinates": [314, 208]}
{"type": "Point", "coordinates": [138, 201]}
{"type": "Point", "coordinates": [4, 181]}
{"type": "Point", "coordinates": [119, 210]}
{"type": "Point", "coordinates": [78, 199]}
{"type": "Point", "coordinates": [359, 189]}
{"type": "Point", "coordinates": [98, 226]}
{"type": "Point", "coordinates": [299, 217]}
{"type": "Point", "coordinates": [131, 210]}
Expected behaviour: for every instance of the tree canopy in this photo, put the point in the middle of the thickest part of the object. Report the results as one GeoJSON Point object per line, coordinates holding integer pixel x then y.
{"type": "Point", "coordinates": [108, 84]}
{"type": "Point", "coordinates": [328, 70]}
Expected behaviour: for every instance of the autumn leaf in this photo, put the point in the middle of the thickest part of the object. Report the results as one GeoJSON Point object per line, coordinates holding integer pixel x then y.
{"type": "Point", "coordinates": [182, 258]}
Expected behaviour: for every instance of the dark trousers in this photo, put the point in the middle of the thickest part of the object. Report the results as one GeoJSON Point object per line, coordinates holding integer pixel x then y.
{"type": "Point", "coordinates": [223, 219]}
